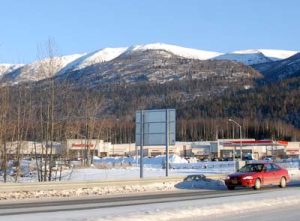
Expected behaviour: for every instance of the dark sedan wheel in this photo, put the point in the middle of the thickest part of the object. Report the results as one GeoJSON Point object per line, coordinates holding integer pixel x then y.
{"type": "Point", "coordinates": [257, 184]}
{"type": "Point", "coordinates": [282, 183]}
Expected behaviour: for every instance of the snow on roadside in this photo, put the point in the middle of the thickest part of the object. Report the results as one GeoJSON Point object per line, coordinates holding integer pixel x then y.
{"type": "Point", "coordinates": [206, 209]}
{"type": "Point", "coordinates": [90, 191]}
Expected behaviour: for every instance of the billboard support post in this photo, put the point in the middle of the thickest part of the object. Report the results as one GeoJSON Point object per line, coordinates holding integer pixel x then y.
{"type": "Point", "coordinates": [142, 145]}
{"type": "Point", "coordinates": [167, 143]}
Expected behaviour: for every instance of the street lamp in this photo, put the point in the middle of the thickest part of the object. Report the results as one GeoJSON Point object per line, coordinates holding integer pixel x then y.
{"type": "Point", "coordinates": [241, 153]}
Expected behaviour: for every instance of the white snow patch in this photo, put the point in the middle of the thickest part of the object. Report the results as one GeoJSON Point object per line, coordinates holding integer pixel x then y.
{"type": "Point", "coordinates": [177, 50]}
{"type": "Point", "coordinates": [6, 68]}
{"type": "Point", "coordinates": [247, 51]}
{"type": "Point", "coordinates": [248, 57]}
{"type": "Point", "coordinates": [96, 57]}
{"type": "Point", "coordinates": [277, 54]}
{"type": "Point", "coordinates": [256, 56]}
{"type": "Point", "coordinates": [46, 68]}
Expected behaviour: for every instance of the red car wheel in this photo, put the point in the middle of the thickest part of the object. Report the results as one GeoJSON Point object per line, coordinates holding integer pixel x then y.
{"type": "Point", "coordinates": [282, 183]}
{"type": "Point", "coordinates": [257, 184]}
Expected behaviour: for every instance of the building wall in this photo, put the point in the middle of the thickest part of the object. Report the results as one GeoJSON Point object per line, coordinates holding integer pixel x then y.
{"type": "Point", "coordinates": [258, 149]}
{"type": "Point", "coordinates": [211, 149]}
{"type": "Point", "coordinates": [293, 149]}
{"type": "Point", "coordinates": [77, 147]}
{"type": "Point", "coordinates": [30, 148]}
{"type": "Point", "coordinates": [122, 149]}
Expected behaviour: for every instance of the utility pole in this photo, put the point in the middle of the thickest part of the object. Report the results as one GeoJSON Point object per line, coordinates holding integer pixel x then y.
{"type": "Point", "coordinates": [241, 148]}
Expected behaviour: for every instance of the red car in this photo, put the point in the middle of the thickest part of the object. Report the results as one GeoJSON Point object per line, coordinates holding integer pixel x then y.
{"type": "Point", "coordinates": [258, 174]}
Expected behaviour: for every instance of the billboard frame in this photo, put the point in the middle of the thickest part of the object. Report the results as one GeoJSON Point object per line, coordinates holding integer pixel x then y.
{"type": "Point", "coordinates": [165, 119]}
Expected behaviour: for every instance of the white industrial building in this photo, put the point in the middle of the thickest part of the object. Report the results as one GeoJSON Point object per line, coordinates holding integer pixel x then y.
{"type": "Point", "coordinates": [223, 148]}
{"type": "Point", "coordinates": [33, 148]}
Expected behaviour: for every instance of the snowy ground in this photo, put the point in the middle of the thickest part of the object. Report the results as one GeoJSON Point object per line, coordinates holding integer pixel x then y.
{"type": "Point", "coordinates": [119, 168]}
{"type": "Point", "coordinates": [128, 173]}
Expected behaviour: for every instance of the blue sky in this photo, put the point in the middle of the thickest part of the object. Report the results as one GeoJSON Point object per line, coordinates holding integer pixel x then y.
{"type": "Point", "coordinates": [87, 25]}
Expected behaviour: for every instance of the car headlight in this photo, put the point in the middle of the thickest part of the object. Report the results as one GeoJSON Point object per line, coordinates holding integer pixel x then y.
{"type": "Point", "coordinates": [248, 178]}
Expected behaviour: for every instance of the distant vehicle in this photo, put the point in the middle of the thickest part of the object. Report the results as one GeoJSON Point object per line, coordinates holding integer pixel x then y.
{"type": "Point", "coordinates": [267, 159]}
{"type": "Point", "coordinates": [256, 175]}
{"type": "Point", "coordinates": [195, 177]}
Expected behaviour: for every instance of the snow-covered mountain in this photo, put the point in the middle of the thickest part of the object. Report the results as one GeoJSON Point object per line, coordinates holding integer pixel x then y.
{"type": "Point", "coordinates": [108, 54]}
{"type": "Point", "coordinates": [95, 57]}
{"type": "Point", "coordinates": [277, 54]}
{"type": "Point", "coordinates": [7, 68]}
{"type": "Point", "coordinates": [248, 57]}
{"type": "Point", "coordinates": [280, 69]}
{"type": "Point", "coordinates": [138, 64]}
{"type": "Point", "coordinates": [256, 56]}
{"type": "Point", "coordinates": [79, 63]}
{"type": "Point", "coordinates": [39, 70]}
{"type": "Point", "coordinates": [176, 50]}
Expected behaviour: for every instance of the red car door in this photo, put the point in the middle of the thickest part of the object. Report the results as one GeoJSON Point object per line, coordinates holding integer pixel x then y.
{"type": "Point", "coordinates": [277, 173]}
{"type": "Point", "coordinates": [268, 174]}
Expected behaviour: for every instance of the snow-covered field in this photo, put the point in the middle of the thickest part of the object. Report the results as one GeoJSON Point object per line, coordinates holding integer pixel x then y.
{"type": "Point", "coordinates": [119, 168]}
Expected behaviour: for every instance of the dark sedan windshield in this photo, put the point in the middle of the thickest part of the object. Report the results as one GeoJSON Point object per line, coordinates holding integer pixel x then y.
{"type": "Point", "coordinates": [252, 168]}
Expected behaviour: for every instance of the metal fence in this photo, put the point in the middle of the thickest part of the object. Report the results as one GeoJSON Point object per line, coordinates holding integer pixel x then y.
{"type": "Point", "coordinates": [215, 167]}
{"type": "Point", "coordinates": [290, 164]}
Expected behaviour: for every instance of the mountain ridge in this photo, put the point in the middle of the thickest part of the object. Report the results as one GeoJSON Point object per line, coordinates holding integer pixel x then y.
{"type": "Point", "coordinates": [78, 62]}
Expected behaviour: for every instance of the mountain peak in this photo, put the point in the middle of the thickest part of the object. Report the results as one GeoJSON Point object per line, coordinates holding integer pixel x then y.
{"type": "Point", "coordinates": [247, 51]}
{"type": "Point", "coordinates": [275, 54]}
{"type": "Point", "coordinates": [77, 62]}
{"type": "Point", "coordinates": [177, 50]}
{"type": "Point", "coordinates": [6, 68]}
{"type": "Point", "coordinates": [98, 56]}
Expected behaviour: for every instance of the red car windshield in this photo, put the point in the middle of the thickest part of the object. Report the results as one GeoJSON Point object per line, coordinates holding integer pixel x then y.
{"type": "Point", "coordinates": [252, 168]}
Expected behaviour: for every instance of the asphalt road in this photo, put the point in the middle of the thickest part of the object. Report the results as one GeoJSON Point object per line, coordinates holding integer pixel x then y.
{"type": "Point", "coordinates": [16, 208]}
{"type": "Point", "coordinates": [60, 205]}
{"type": "Point", "coordinates": [279, 214]}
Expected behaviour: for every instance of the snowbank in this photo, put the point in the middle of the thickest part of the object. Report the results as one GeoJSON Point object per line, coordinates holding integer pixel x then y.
{"type": "Point", "coordinates": [90, 191]}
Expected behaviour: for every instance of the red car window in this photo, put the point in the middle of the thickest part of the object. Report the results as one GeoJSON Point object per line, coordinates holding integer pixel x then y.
{"type": "Point", "coordinates": [268, 167]}
{"type": "Point", "coordinates": [275, 167]}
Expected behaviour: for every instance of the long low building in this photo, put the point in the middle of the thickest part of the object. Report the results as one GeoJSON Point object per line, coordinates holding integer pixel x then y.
{"type": "Point", "coordinates": [223, 148]}
{"type": "Point", "coordinates": [33, 148]}
{"type": "Point", "coordinates": [251, 148]}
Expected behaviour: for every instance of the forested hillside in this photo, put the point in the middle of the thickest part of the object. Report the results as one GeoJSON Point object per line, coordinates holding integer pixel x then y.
{"type": "Point", "coordinates": [100, 100]}
{"type": "Point", "coordinates": [107, 112]}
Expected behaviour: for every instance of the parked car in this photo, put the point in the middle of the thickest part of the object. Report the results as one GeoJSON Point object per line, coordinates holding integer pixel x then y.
{"type": "Point", "coordinates": [256, 175]}
{"type": "Point", "coordinates": [269, 159]}
{"type": "Point", "coordinates": [195, 177]}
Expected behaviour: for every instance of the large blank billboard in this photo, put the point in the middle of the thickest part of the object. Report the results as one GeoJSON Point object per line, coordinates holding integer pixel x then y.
{"type": "Point", "coordinates": [155, 125]}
